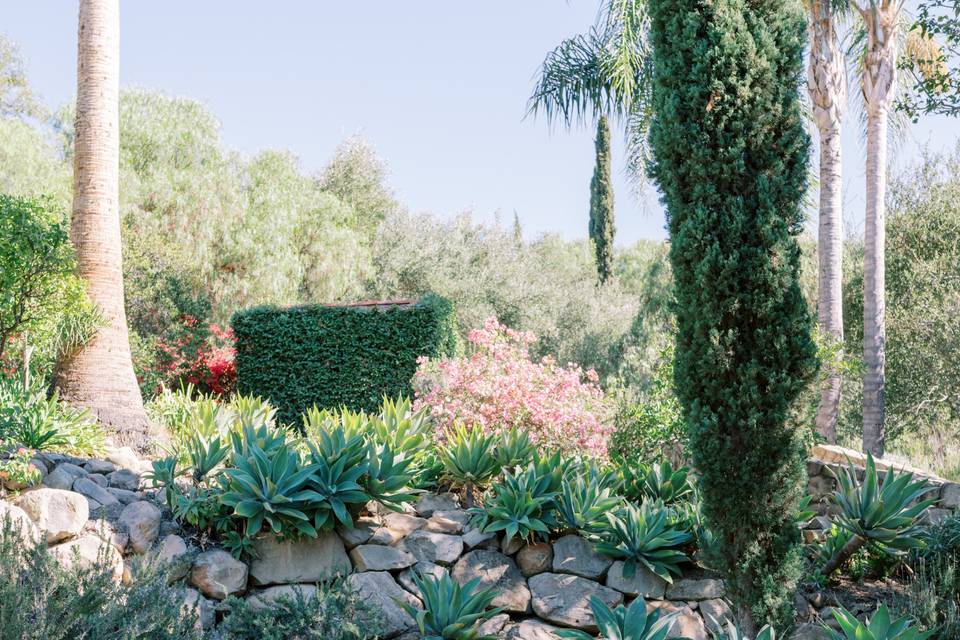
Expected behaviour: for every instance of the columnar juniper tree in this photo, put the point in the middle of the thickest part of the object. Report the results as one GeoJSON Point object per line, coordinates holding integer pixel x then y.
{"type": "Point", "coordinates": [601, 204]}
{"type": "Point", "coordinates": [730, 156]}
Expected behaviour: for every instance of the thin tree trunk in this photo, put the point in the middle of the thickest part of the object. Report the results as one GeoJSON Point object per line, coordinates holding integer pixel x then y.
{"type": "Point", "coordinates": [851, 547]}
{"type": "Point", "coordinates": [879, 80]}
{"type": "Point", "coordinates": [827, 86]}
{"type": "Point", "coordinates": [99, 376]}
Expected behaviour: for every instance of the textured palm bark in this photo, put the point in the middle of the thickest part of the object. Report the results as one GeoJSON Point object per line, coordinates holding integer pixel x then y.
{"type": "Point", "coordinates": [879, 86]}
{"type": "Point", "coordinates": [827, 85]}
{"type": "Point", "coordinates": [100, 376]}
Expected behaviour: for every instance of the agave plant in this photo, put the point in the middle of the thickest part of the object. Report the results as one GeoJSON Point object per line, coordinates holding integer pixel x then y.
{"type": "Point", "coordinates": [252, 411]}
{"type": "Point", "coordinates": [642, 535]}
{"type": "Point", "coordinates": [555, 468]}
{"type": "Point", "coordinates": [451, 611]}
{"type": "Point", "coordinates": [389, 477]}
{"type": "Point", "coordinates": [585, 499]}
{"type": "Point", "coordinates": [401, 428]}
{"type": "Point", "coordinates": [625, 623]}
{"type": "Point", "coordinates": [468, 459]}
{"type": "Point", "coordinates": [334, 438]}
{"type": "Point", "coordinates": [270, 487]}
{"type": "Point", "coordinates": [882, 514]}
{"type": "Point", "coordinates": [521, 505]}
{"type": "Point", "coordinates": [514, 449]}
{"type": "Point", "coordinates": [208, 419]}
{"type": "Point", "coordinates": [733, 632]}
{"type": "Point", "coordinates": [163, 474]}
{"type": "Point", "coordinates": [204, 454]}
{"type": "Point", "coordinates": [655, 482]}
{"type": "Point", "coordinates": [878, 627]}
{"type": "Point", "coordinates": [336, 487]}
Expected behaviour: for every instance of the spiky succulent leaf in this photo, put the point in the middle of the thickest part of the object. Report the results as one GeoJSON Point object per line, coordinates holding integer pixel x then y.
{"type": "Point", "coordinates": [643, 535]}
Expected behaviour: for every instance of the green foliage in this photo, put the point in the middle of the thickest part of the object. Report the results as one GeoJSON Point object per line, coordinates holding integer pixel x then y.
{"type": "Point", "coordinates": [451, 611]}
{"type": "Point", "coordinates": [601, 227]}
{"type": "Point", "coordinates": [388, 477]}
{"type": "Point", "coordinates": [880, 626]}
{"type": "Point", "coordinates": [32, 419]}
{"type": "Point", "coordinates": [338, 356]}
{"type": "Point", "coordinates": [642, 535]}
{"type": "Point", "coordinates": [521, 505]}
{"type": "Point", "coordinates": [585, 499]}
{"type": "Point", "coordinates": [933, 596]}
{"type": "Point", "coordinates": [42, 600]}
{"type": "Point", "coordinates": [331, 612]}
{"type": "Point", "coordinates": [514, 449]}
{"type": "Point", "coordinates": [657, 481]}
{"type": "Point", "coordinates": [733, 632]}
{"type": "Point", "coordinates": [730, 158]}
{"type": "Point", "coordinates": [626, 623]}
{"type": "Point", "coordinates": [468, 458]}
{"type": "Point", "coordinates": [16, 470]}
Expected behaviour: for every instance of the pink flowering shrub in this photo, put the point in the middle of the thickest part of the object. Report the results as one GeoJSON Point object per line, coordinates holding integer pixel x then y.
{"type": "Point", "coordinates": [498, 386]}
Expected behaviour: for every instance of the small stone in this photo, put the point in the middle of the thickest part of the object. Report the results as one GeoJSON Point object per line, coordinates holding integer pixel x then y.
{"type": "Point", "coordinates": [97, 478]}
{"type": "Point", "coordinates": [427, 546]}
{"type": "Point", "coordinates": [124, 479]}
{"type": "Point", "coordinates": [424, 569]}
{"type": "Point", "coordinates": [493, 626]}
{"type": "Point", "coordinates": [85, 552]}
{"type": "Point", "coordinates": [206, 613]}
{"type": "Point", "coordinates": [535, 558]}
{"type": "Point", "coordinates": [950, 495]}
{"type": "Point", "coordinates": [58, 514]}
{"type": "Point", "coordinates": [142, 522]}
{"type": "Point", "coordinates": [63, 476]}
{"type": "Point", "coordinates": [175, 555]}
{"type": "Point", "coordinates": [693, 589]}
{"type": "Point", "coordinates": [361, 532]}
{"type": "Point", "coordinates": [99, 466]}
{"type": "Point", "coordinates": [498, 572]}
{"type": "Point", "coordinates": [381, 590]}
{"type": "Point", "coordinates": [218, 574]}
{"type": "Point", "coordinates": [431, 502]}
{"type": "Point", "coordinates": [565, 599]}
{"type": "Point", "coordinates": [396, 526]}
{"type": "Point", "coordinates": [573, 554]}
{"type": "Point", "coordinates": [511, 546]}
{"type": "Point", "coordinates": [452, 521]}
{"type": "Point", "coordinates": [644, 582]}
{"type": "Point", "coordinates": [298, 561]}
{"type": "Point", "coordinates": [687, 624]}
{"type": "Point", "coordinates": [268, 597]}
{"type": "Point", "coordinates": [124, 496]}
{"type": "Point", "coordinates": [20, 522]}
{"type": "Point", "coordinates": [532, 630]}
{"type": "Point", "coordinates": [474, 538]}
{"type": "Point", "coordinates": [87, 487]}
{"type": "Point", "coordinates": [375, 557]}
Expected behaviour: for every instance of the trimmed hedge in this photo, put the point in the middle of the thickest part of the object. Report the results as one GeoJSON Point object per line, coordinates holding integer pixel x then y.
{"type": "Point", "coordinates": [338, 356]}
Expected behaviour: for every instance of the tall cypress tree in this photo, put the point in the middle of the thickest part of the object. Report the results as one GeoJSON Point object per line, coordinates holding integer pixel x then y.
{"type": "Point", "coordinates": [601, 204]}
{"type": "Point", "coordinates": [730, 159]}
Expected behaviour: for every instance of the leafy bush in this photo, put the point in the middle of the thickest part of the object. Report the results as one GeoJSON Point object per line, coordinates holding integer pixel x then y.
{"type": "Point", "coordinates": [41, 600]}
{"type": "Point", "coordinates": [197, 354]}
{"type": "Point", "coordinates": [498, 387]}
{"type": "Point", "coordinates": [626, 623]}
{"type": "Point", "coordinates": [642, 535]}
{"type": "Point", "coordinates": [933, 597]}
{"type": "Point", "coordinates": [451, 611]}
{"type": "Point", "coordinates": [332, 612]}
{"type": "Point", "coordinates": [338, 356]}
{"type": "Point", "coordinates": [879, 626]}
{"type": "Point", "coordinates": [16, 472]}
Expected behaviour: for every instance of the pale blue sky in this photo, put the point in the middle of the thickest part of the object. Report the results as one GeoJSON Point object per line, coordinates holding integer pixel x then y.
{"type": "Point", "coordinates": [438, 87]}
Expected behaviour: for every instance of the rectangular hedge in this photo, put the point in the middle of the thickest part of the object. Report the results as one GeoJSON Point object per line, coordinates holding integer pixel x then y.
{"type": "Point", "coordinates": [333, 356]}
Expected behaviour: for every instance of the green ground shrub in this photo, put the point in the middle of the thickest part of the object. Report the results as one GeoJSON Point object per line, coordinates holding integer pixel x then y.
{"type": "Point", "coordinates": [300, 357]}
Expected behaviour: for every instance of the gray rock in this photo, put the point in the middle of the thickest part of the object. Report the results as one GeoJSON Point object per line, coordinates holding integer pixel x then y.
{"type": "Point", "coordinates": [106, 531]}
{"type": "Point", "coordinates": [123, 495]}
{"type": "Point", "coordinates": [381, 590]}
{"type": "Point", "coordinates": [375, 557]}
{"type": "Point", "coordinates": [809, 631]}
{"type": "Point", "coordinates": [950, 495]}
{"type": "Point", "coordinates": [453, 521]}
{"type": "Point", "coordinates": [124, 479]}
{"type": "Point", "coordinates": [97, 478]}
{"type": "Point", "coordinates": [423, 568]}
{"type": "Point", "coordinates": [87, 487]}
{"type": "Point", "coordinates": [175, 555]}
{"type": "Point", "coordinates": [125, 458]}
{"type": "Point", "coordinates": [575, 555]}
{"type": "Point", "coordinates": [92, 504]}
{"type": "Point", "coordinates": [431, 502]}
{"type": "Point", "coordinates": [687, 623]}
{"type": "Point", "coordinates": [361, 532]}
{"type": "Point", "coordinates": [99, 466]}
{"type": "Point", "coordinates": [142, 521]}
{"type": "Point", "coordinates": [85, 552]}
{"type": "Point", "coordinates": [511, 546]}
{"type": "Point", "coordinates": [217, 574]}
{"type": "Point", "coordinates": [58, 514]}
{"type": "Point", "coordinates": [20, 522]}
{"type": "Point", "coordinates": [63, 476]}
{"type": "Point", "coordinates": [474, 538]}
{"type": "Point", "coordinates": [644, 582]}
{"type": "Point", "coordinates": [532, 630]}
{"type": "Point", "coordinates": [717, 612]}
{"type": "Point", "coordinates": [206, 613]}
{"type": "Point", "coordinates": [498, 572]}
{"type": "Point", "coordinates": [267, 597]}
{"type": "Point", "coordinates": [535, 558]}
{"type": "Point", "coordinates": [565, 599]}
{"type": "Point", "coordinates": [396, 526]}
{"type": "Point", "coordinates": [493, 626]}
{"type": "Point", "coordinates": [694, 589]}
{"type": "Point", "coordinates": [290, 561]}
{"type": "Point", "coordinates": [427, 546]}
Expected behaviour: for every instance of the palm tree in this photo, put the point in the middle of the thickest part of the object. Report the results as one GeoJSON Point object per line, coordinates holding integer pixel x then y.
{"type": "Point", "coordinates": [100, 375]}
{"type": "Point", "coordinates": [827, 86]}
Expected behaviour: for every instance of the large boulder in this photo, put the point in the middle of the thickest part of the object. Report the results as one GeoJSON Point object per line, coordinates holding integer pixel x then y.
{"type": "Point", "coordinates": [396, 526]}
{"type": "Point", "coordinates": [565, 599]}
{"type": "Point", "coordinates": [687, 623]}
{"type": "Point", "coordinates": [20, 522]}
{"type": "Point", "coordinates": [427, 546]}
{"type": "Point", "coordinates": [142, 522]}
{"type": "Point", "coordinates": [86, 551]}
{"type": "Point", "coordinates": [535, 558]}
{"type": "Point", "coordinates": [375, 557]}
{"type": "Point", "coordinates": [292, 561]}
{"type": "Point", "coordinates": [58, 514]}
{"type": "Point", "coordinates": [498, 572]}
{"type": "Point", "coordinates": [217, 574]}
{"type": "Point", "coordinates": [696, 589]}
{"type": "Point", "coordinates": [267, 597]}
{"type": "Point", "coordinates": [360, 532]}
{"type": "Point", "coordinates": [381, 590]}
{"type": "Point", "coordinates": [87, 487]}
{"type": "Point", "coordinates": [575, 555]}
{"type": "Point", "coordinates": [643, 583]}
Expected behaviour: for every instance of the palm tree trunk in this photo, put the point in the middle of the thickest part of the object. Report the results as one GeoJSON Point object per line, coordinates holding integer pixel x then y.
{"type": "Point", "coordinates": [100, 376]}
{"type": "Point", "coordinates": [878, 81]}
{"type": "Point", "coordinates": [827, 86]}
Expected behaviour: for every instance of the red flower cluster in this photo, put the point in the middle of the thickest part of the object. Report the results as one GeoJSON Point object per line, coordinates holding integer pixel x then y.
{"type": "Point", "coordinates": [201, 355]}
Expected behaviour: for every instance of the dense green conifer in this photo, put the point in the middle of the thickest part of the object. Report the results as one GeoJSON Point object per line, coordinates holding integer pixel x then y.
{"type": "Point", "coordinates": [601, 204]}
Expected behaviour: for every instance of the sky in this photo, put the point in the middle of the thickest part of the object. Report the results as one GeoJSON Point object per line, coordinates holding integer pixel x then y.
{"type": "Point", "coordinates": [439, 88]}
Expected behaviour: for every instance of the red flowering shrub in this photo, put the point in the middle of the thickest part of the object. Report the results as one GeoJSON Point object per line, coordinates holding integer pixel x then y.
{"type": "Point", "coordinates": [498, 387]}
{"type": "Point", "coordinates": [198, 354]}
